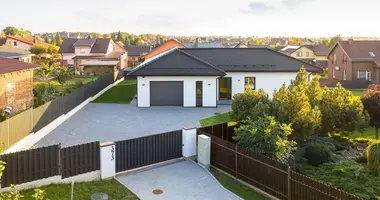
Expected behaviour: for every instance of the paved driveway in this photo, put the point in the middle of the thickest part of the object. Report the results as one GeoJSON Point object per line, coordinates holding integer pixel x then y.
{"type": "Point", "coordinates": [113, 122]}
{"type": "Point", "coordinates": [182, 180]}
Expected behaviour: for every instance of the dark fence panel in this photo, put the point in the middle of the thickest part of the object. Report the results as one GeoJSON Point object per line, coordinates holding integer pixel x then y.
{"type": "Point", "coordinates": [30, 165]}
{"type": "Point", "coordinates": [80, 159]}
{"type": "Point", "coordinates": [148, 150]}
{"type": "Point", "coordinates": [267, 174]}
{"type": "Point", "coordinates": [222, 131]}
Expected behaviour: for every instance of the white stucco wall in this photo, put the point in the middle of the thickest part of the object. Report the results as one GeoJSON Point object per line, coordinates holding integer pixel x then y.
{"type": "Point", "coordinates": [82, 50]}
{"type": "Point", "coordinates": [20, 45]}
{"type": "Point", "coordinates": [266, 80]}
{"type": "Point", "coordinates": [189, 95]}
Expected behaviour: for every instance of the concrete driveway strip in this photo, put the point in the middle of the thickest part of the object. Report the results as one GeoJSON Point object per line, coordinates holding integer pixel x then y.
{"type": "Point", "coordinates": [113, 122]}
{"type": "Point", "coordinates": [183, 180]}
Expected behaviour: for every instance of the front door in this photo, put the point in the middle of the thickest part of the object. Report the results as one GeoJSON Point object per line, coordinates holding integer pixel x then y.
{"type": "Point", "coordinates": [199, 93]}
{"type": "Point", "coordinates": [225, 88]}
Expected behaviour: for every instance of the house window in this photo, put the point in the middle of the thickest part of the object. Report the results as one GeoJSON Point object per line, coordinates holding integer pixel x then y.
{"type": "Point", "coordinates": [344, 75]}
{"type": "Point", "coordinates": [333, 72]}
{"type": "Point", "coordinates": [14, 43]}
{"type": "Point", "coordinates": [344, 59]}
{"type": "Point", "coordinates": [307, 54]}
{"type": "Point", "coordinates": [250, 83]}
{"type": "Point", "coordinates": [299, 54]}
{"type": "Point", "coordinates": [364, 75]}
{"type": "Point", "coordinates": [334, 59]}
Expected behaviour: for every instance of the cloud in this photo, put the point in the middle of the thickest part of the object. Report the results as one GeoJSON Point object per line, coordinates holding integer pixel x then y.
{"type": "Point", "coordinates": [292, 4]}
{"type": "Point", "coordinates": [256, 8]}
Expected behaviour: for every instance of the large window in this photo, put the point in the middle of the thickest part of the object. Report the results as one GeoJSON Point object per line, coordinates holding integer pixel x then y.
{"type": "Point", "coordinates": [344, 59]}
{"type": "Point", "coordinates": [344, 75]}
{"type": "Point", "coordinates": [334, 59]}
{"type": "Point", "coordinates": [364, 75]}
{"type": "Point", "coordinates": [333, 72]}
{"type": "Point", "coordinates": [250, 83]}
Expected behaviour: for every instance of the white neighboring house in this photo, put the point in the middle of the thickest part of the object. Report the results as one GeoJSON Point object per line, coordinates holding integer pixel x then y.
{"type": "Point", "coordinates": [206, 77]}
{"type": "Point", "coordinates": [16, 53]}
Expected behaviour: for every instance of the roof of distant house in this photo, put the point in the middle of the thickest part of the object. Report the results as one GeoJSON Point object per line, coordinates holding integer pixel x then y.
{"type": "Point", "coordinates": [8, 65]}
{"type": "Point", "coordinates": [288, 51]}
{"type": "Point", "coordinates": [202, 45]}
{"type": "Point", "coordinates": [29, 40]}
{"type": "Point", "coordinates": [137, 50]}
{"type": "Point", "coordinates": [100, 45]}
{"type": "Point", "coordinates": [84, 42]}
{"type": "Point", "coordinates": [318, 49]}
{"type": "Point", "coordinates": [258, 59]}
{"type": "Point", "coordinates": [361, 50]}
{"type": "Point", "coordinates": [10, 52]}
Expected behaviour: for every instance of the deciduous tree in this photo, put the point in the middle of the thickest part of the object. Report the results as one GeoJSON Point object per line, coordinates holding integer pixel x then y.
{"type": "Point", "coordinates": [371, 102]}
{"type": "Point", "coordinates": [38, 49]}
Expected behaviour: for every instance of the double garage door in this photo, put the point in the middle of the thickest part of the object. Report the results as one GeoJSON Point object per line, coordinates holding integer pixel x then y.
{"type": "Point", "coordinates": [166, 93]}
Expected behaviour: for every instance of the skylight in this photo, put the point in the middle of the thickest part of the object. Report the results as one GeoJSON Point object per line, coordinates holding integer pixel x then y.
{"type": "Point", "coordinates": [372, 54]}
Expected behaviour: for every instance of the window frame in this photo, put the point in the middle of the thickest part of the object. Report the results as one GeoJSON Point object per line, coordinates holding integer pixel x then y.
{"type": "Point", "coordinates": [245, 83]}
{"type": "Point", "coordinates": [334, 59]}
{"type": "Point", "coordinates": [344, 74]}
{"type": "Point", "coordinates": [367, 75]}
{"type": "Point", "coordinates": [333, 72]}
{"type": "Point", "coordinates": [344, 59]}
{"type": "Point", "coordinates": [15, 43]}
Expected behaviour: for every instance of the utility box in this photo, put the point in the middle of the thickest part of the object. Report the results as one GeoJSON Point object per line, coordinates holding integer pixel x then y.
{"type": "Point", "coordinates": [204, 151]}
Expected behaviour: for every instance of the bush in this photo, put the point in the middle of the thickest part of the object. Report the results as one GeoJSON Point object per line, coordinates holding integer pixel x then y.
{"type": "Point", "coordinates": [266, 136]}
{"type": "Point", "coordinates": [45, 92]}
{"type": "Point", "coordinates": [244, 105]}
{"type": "Point", "coordinates": [361, 159]}
{"type": "Point", "coordinates": [64, 74]}
{"type": "Point", "coordinates": [373, 157]}
{"type": "Point", "coordinates": [317, 154]}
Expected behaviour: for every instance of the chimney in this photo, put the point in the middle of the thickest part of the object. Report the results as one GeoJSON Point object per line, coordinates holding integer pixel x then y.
{"type": "Point", "coordinates": [161, 41]}
{"type": "Point", "coordinates": [196, 43]}
{"type": "Point", "coordinates": [350, 41]}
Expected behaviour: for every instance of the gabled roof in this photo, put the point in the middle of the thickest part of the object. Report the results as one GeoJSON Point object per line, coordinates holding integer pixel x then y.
{"type": "Point", "coordinates": [176, 62]}
{"type": "Point", "coordinates": [137, 50]}
{"type": "Point", "coordinates": [29, 40]}
{"type": "Point", "coordinates": [360, 50]}
{"type": "Point", "coordinates": [10, 52]}
{"type": "Point", "coordinates": [318, 49]}
{"type": "Point", "coordinates": [8, 65]}
{"type": "Point", "coordinates": [258, 59]}
{"type": "Point", "coordinates": [100, 45]}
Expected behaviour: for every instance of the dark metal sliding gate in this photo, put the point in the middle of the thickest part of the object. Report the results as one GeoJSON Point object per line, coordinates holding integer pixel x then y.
{"type": "Point", "coordinates": [148, 150]}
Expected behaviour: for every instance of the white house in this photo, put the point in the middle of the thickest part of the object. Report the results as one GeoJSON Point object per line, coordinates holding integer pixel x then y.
{"type": "Point", "coordinates": [206, 77]}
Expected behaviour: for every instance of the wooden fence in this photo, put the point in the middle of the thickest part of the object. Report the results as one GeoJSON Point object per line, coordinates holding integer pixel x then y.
{"type": "Point", "coordinates": [32, 120]}
{"type": "Point", "coordinates": [268, 175]}
{"type": "Point", "coordinates": [44, 162]}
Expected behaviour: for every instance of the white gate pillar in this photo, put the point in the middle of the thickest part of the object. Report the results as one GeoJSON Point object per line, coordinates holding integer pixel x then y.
{"type": "Point", "coordinates": [107, 160]}
{"type": "Point", "coordinates": [204, 151]}
{"type": "Point", "coordinates": [189, 141]}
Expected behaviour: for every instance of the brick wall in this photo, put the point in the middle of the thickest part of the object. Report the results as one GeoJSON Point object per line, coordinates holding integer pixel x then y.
{"type": "Point", "coordinates": [339, 63]}
{"type": "Point", "coordinates": [16, 90]}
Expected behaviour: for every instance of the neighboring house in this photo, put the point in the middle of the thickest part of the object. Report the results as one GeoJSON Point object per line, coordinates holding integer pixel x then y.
{"type": "Point", "coordinates": [307, 42]}
{"type": "Point", "coordinates": [164, 47]}
{"type": "Point", "coordinates": [16, 53]}
{"type": "Point", "coordinates": [97, 55]}
{"type": "Point", "coordinates": [203, 77]}
{"type": "Point", "coordinates": [198, 44]}
{"type": "Point", "coordinates": [16, 80]}
{"type": "Point", "coordinates": [135, 53]}
{"type": "Point", "coordinates": [278, 42]}
{"type": "Point", "coordinates": [24, 42]}
{"type": "Point", "coordinates": [355, 60]}
{"type": "Point", "coordinates": [289, 49]}
{"type": "Point", "coordinates": [314, 54]}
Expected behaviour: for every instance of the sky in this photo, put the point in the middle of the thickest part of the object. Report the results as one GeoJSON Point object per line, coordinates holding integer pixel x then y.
{"type": "Point", "coordinates": [302, 18]}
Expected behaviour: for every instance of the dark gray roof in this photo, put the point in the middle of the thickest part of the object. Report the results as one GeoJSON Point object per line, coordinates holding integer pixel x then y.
{"type": "Point", "coordinates": [100, 45]}
{"type": "Point", "coordinates": [10, 52]}
{"type": "Point", "coordinates": [202, 45]}
{"type": "Point", "coordinates": [137, 50]}
{"type": "Point", "coordinates": [84, 42]}
{"type": "Point", "coordinates": [176, 62]}
{"type": "Point", "coordinates": [258, 59]}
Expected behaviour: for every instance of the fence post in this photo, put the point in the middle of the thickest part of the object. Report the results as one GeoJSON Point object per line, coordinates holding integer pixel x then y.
{"type": "Point", "coordinates": [204, 151]}
{"type": "Point", "coordinates": [189, 141]}
{"type": "Point", "coordinates": [107, 160]}
{"type": "Point", "coordinates": [236, 161]}
{"type": "Point", "coordinates": [289, 183]}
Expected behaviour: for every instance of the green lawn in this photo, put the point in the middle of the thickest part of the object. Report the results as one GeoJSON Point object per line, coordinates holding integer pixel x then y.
{"type": "Point", "coordinates": [357, 92]}
{"type": "Point", "coordinates": [124, 92]}
{"type": "Point", "coordinates": [236, 187]}
{"type": "Point", "coordinates": [216, 119]}
{"type": "Point", "coordinates": [84, 190]}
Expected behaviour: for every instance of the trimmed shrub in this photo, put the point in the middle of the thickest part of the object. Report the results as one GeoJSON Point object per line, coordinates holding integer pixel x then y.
{"type": "Point", "coordinates": [244, 105]}
{"type": "Point", "coordinates": [373, 157]}
{"type": "Point", "coordinates": [317, 154]}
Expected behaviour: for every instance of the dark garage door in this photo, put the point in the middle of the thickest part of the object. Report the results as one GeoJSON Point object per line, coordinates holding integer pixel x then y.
{"type": "Point", "coordinates": [166, 93]}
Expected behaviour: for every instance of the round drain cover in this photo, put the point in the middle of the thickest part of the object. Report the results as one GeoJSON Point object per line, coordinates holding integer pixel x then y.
{"type": "Point", "coordinates": [157, 191]}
